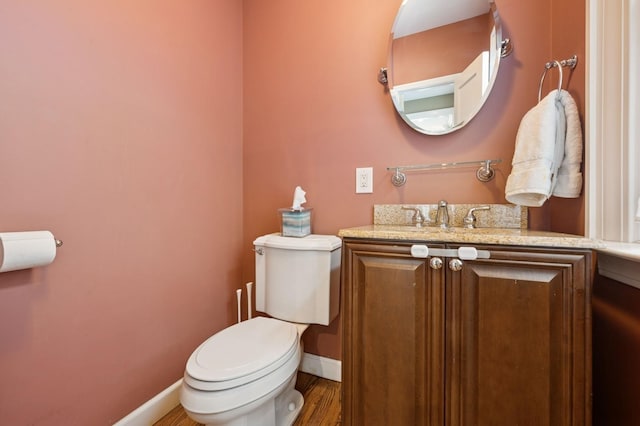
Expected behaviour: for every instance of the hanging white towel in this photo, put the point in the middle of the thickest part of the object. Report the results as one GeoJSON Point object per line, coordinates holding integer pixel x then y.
{"type": "Point", "coordinates": [538, 153]}
{"type": "Point", "coordinates": [569, 182]}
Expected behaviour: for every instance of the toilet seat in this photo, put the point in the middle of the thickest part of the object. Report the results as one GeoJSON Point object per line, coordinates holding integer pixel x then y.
{"type": "Point", "coordinates": [241, 354]}
{"type": "Point", "coordinates": [244, 397]}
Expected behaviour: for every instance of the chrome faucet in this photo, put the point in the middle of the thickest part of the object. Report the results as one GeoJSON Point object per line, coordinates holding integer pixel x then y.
{"type": "Point", "coordinates": [470, 219]}
{"type": "Point", "coordinates": [418, 218]}
{"type": "Point", "coordinates": [442, 215]}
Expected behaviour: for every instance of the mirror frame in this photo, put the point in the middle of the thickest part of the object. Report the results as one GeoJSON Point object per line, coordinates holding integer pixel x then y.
{"type": "Point", "coordinates": [444, 85]}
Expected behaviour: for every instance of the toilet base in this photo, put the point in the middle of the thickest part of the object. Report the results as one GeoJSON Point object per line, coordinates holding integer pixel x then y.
{"type": "Point", "coordinates": [279, 407]}
{"type": "Point", "coordinates": [288, 406]}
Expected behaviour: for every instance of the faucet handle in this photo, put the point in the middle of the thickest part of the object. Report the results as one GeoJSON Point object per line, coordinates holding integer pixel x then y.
{"type": "Point", "coordinates": [469, 220]}
{"type": "Point", "coordinates": [418, 217]}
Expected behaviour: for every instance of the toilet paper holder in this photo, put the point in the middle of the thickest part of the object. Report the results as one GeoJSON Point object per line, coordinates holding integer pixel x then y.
{"type": "Point", "coordinates": [27, 249]}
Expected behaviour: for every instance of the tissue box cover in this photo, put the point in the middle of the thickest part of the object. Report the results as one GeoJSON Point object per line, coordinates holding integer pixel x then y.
{"type": "Point", "coordinates": [295, 223]}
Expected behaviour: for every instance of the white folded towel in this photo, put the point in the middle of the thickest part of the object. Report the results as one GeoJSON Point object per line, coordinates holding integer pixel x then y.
{"type": "Point", "coordinates": [569, 183]}
{"type": "Point", "coordinates": [535, 160]}
{"type": "Point", "coordinates": [548, 153]}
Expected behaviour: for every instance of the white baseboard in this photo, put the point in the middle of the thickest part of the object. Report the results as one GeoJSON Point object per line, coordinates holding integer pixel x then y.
{"type": "Point", "coordinates": [158, 406]}
{"type": "Point", "coordinates": [154, 409]}
{"type": "Point", "coordinates": [326, 368]}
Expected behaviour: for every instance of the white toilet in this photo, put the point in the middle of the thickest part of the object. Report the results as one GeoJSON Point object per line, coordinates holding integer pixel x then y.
{"type": "Point", "coordinates": [245, 374]}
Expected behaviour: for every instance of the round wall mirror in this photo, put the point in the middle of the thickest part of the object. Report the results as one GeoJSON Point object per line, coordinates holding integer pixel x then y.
{"type": "Point", "coordinates": [443, 62]}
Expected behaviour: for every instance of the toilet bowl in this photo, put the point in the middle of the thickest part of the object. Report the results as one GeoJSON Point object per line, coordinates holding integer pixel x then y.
{"type": "Point", "coordinates": [245, 375]}
{"type": "Point", "coordinates": [236, 376]}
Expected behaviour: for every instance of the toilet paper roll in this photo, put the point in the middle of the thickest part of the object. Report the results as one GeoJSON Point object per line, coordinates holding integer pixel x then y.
{"type": "Point", "coordinates": [23, 250]}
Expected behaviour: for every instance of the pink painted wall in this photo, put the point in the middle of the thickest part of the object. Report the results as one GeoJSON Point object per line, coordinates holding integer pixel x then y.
{"type": "Point", "coordinates": [120, 131]}
{"type": "Point", "coordinates": [568, 29]}
{"type": "Point", "coordinates": [314, 111]}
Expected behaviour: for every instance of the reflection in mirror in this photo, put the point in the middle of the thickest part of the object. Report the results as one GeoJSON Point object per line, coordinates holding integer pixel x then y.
{"type": "Point", "coordinates": [443, 61]}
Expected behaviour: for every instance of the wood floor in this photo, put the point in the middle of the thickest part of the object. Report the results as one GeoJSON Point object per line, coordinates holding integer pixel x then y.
{"type": "Point", "coordinates": [321, 404]}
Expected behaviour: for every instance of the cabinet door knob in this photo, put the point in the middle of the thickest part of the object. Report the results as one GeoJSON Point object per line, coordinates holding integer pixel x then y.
{"type": "Point", "coordinates": [435, 263]}
{"type": "Point", "coordinates": [455, 264]}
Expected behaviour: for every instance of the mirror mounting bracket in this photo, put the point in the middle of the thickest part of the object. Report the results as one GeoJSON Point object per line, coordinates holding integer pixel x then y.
{"type": "Point", "coordinates": [506, 47]}
{"type": "Point", "coordinates": [382, 76]}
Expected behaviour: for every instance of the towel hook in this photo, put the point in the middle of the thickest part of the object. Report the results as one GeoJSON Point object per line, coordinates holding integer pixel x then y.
{"type": "Point", "coordinates": [571, 63]}
{"type": "Point", "coordinates": [547, 67]}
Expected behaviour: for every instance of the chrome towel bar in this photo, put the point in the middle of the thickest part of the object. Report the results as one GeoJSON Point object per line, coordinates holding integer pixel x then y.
{"type": "Point", "coordinates": [484, 174]}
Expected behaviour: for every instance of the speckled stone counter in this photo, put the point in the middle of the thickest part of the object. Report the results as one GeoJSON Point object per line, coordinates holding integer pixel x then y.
{"type": "Point", "coordinates": [503, 224]}
{"type": "Point", "coordinates": [498, 215]}
{"type": "Point", "coordinates": [502, 236]}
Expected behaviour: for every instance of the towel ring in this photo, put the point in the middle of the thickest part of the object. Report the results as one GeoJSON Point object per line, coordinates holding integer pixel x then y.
{"type": "Point", "coordinates": [547, 67]}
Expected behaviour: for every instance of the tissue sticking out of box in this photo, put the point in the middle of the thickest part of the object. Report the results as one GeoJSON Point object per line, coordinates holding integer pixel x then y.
{"type": "Point", "coordinates": [296, 221]}
{"type": "Point", "coordinates": [298, 199]}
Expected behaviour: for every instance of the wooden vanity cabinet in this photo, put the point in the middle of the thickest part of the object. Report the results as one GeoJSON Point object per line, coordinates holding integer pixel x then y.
{"type": "Point", "coordinates": [503, 341]}
{"type": "Point", "coordinates": [393, 337]}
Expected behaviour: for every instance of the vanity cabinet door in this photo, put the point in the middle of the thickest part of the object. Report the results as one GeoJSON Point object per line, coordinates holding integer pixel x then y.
{"type": "Point", "coordinates": [519, 339]}
{"type": "Point", "coordinates": [393, 337]}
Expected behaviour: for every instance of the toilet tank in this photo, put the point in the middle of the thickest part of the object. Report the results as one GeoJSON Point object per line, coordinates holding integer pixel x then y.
{"type": "Point", "coordinates": [298, 279]}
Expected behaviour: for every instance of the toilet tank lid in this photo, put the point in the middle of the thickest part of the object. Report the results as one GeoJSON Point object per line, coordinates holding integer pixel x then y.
{"type": "Point", "coordinates": [310, 242]}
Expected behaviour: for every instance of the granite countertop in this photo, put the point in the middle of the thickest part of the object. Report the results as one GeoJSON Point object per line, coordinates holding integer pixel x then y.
{"type": "Point", "coordinates": [502, 236]}
{"type": "Point", "coordinates": [629, 251]}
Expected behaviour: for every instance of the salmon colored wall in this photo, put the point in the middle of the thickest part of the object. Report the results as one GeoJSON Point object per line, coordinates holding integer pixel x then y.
{"type": "Point", "coordinates": [568, 35]}
{"type": "Point", "coordinates": [123, 131]}
{"type": "Point", "coordinates": [120, 131]}
{"type": "Point", "coordinates": [314, 111]}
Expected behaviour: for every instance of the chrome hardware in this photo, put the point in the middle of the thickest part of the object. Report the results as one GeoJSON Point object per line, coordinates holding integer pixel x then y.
{"type": "Point", "coordinates": [455, 265]}
{"type": "Point", "coordinates": [435, 263]}
{"type": "Point", "coordinates": [398, 178]}
{"type": "Point", "coordinates": [484, 174]}
{"type": "Point", "coordinates": [569, 63]}
{"type": "Point", "coordinates": [418, 218]}
{"type": "Point", "coordinates": [259, 250]}
{"type": "Point", "coordinates": [469, 220]}
{"type": "Point", "coordinates": [506, 47]}
{"type": "Point", "coordinates": [382, 76]}
{"type": "Point", "coordinates": [442, 216]}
